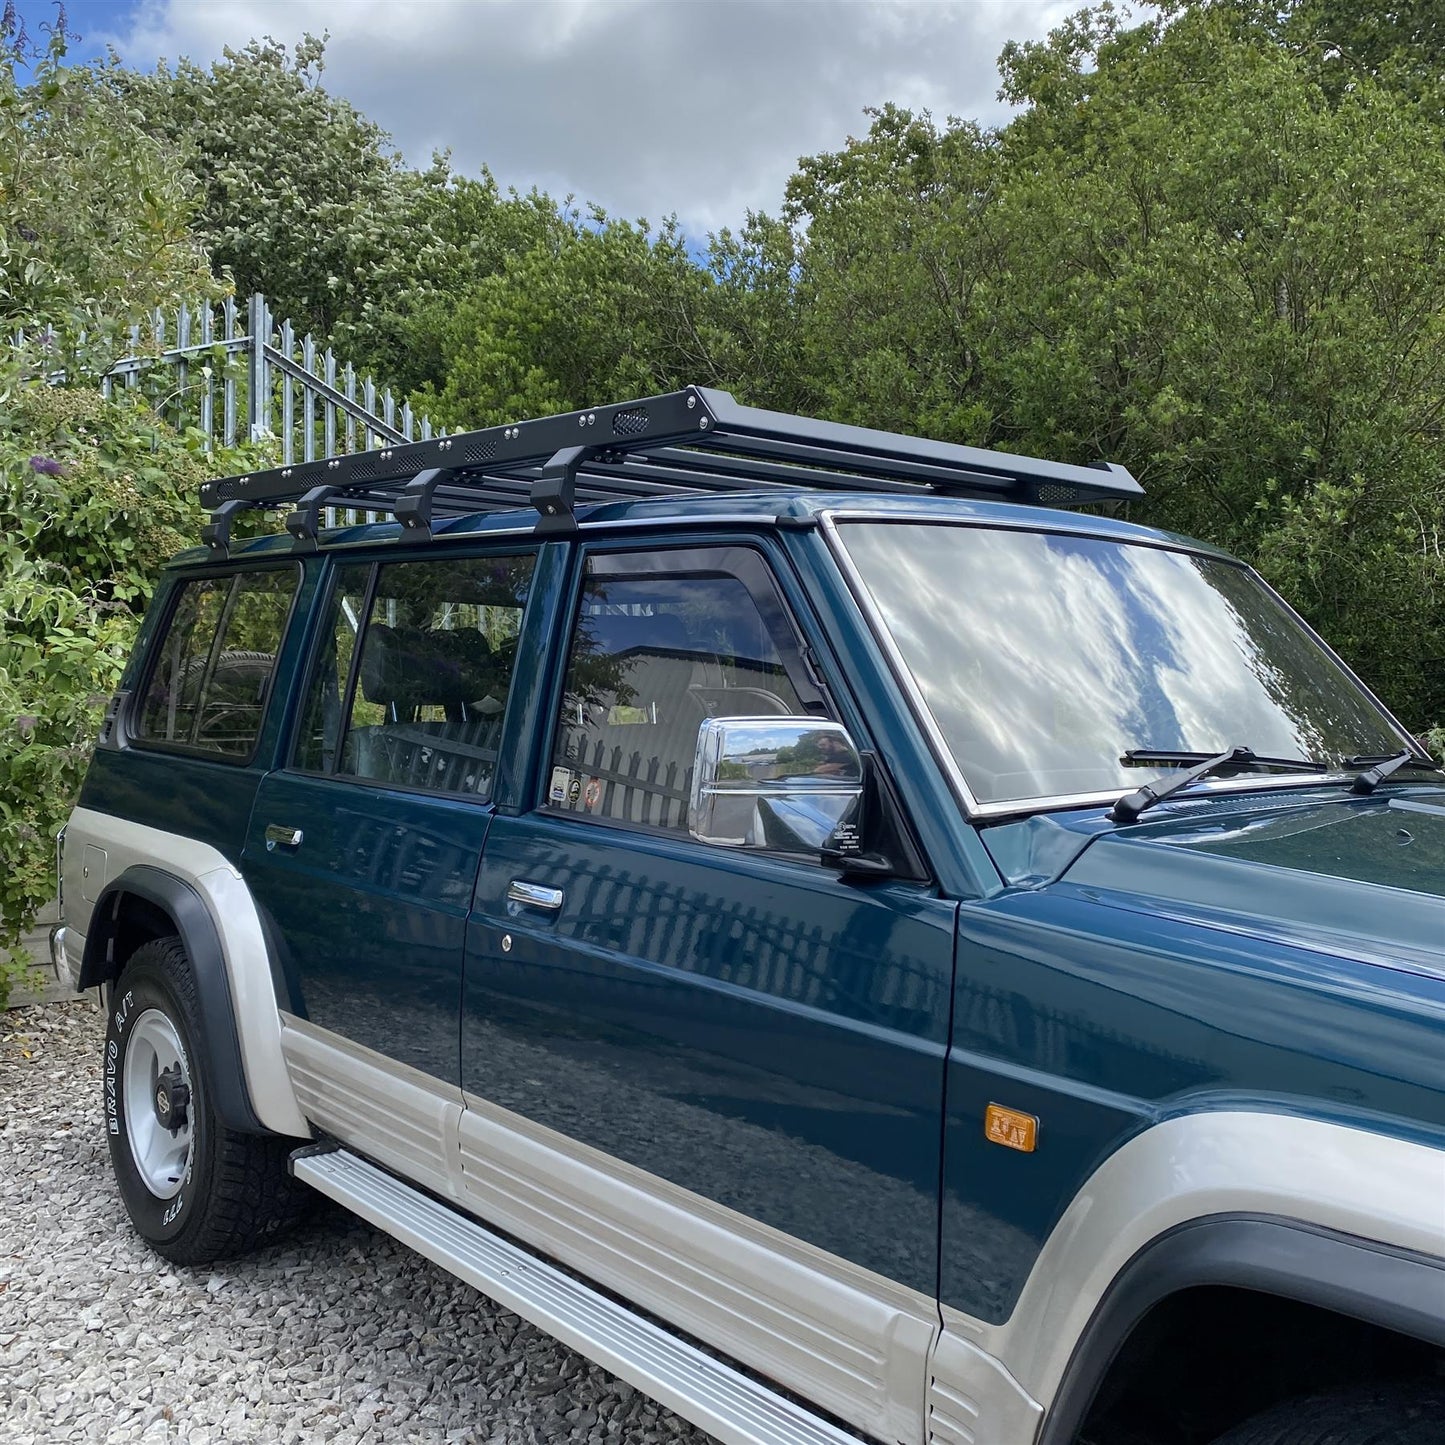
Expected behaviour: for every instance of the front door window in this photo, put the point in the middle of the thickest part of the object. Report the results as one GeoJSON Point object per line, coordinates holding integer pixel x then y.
{"type": "Point", "coordinates": [654, 653]}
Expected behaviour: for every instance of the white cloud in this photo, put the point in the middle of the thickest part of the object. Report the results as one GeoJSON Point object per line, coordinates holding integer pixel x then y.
{"type": "Point", "coordinates": [699, 107]}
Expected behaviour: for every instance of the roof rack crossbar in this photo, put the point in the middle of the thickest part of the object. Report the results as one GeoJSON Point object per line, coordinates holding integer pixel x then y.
{"type": "Point", "coordinates": [717, 473]}
{"type": "Point", "coordinates": [911, 474]}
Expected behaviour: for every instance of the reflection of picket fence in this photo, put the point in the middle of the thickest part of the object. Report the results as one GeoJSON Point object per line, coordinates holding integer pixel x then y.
{"type": "Point", "coordinates": [246, 377]}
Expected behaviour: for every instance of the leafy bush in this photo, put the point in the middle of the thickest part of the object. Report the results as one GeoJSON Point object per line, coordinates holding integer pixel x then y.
{"type": "Point", "coordinates": [94, 496]}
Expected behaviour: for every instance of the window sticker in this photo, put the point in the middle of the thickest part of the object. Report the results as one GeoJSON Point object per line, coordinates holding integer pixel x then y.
{"type": "Point", "coordinates": [561, 785]}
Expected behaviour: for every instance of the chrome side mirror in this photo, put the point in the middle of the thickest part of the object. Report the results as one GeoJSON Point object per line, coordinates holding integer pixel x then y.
{"type": "Point", "coordinates": [786, 784]}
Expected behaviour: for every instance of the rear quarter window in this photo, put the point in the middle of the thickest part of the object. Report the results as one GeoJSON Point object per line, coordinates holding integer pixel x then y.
{"type": "Point", "coordinates": [209, 684]}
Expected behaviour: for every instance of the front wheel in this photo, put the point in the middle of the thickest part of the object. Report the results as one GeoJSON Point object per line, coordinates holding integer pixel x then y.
{"type": "Point", "coordinates": [1394, 1414]}
{"type": "Point", "coordinates": [196, 1190]}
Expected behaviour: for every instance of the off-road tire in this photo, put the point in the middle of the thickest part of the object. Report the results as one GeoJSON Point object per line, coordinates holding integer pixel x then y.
{"type": "Point", "coordinates": [1393, 1414]}
{"type": "Point", "coordinates": [236, 1192]}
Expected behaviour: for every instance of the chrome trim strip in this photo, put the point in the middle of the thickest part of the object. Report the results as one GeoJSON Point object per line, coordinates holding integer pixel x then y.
{"type": "Point", "coordinates": [1206, 787]}
{"type": "Point", "coordinates": [64, 962]}
{"type": "Point", "coordinates": [71, 946]}
{"type": "Point", "coordinates": [732, 1407]}
{"type": "Point", "coordinates": [1413, 805]}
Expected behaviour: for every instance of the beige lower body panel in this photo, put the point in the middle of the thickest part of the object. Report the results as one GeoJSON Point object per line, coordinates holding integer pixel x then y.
{"type": "Point", "coordinates": [399, 1117]}
{"type": "Point", "coordinates": [848, 1339]}
{"type": "Point", "coordinates": [100, 847]}
{"type": "Point", "coordinates": [973, 1400]}
{"type": "Point", "coordinates": [855, 1344]}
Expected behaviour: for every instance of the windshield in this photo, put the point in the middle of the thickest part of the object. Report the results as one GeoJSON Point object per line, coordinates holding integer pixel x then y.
{"type": "Point", "coordinates": [1045, 658]}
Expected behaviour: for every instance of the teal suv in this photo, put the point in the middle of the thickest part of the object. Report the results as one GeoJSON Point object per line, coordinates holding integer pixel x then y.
{"type": "Point", "coordinates": [851, 942]}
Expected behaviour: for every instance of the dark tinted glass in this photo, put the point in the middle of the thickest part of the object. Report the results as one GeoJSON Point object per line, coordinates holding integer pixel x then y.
{"type": "Point", "coordinates": [430, 688]}
{"type": "Point", "coordinates": [1044, 658]}
{"type": "Point", "coordinates": [652, 656]}
{"type": "Point", "coordinates": [319, 736]}
{"type": "Point", "coordinates": [209, 687]}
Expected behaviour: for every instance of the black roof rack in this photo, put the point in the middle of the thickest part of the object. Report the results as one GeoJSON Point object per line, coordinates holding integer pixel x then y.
{"type": "Point", "coordinates": [685, 442]}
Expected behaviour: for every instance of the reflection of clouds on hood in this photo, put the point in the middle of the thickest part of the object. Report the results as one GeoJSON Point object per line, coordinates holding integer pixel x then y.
{"type": "Point", "coordinates": [1044, 657]}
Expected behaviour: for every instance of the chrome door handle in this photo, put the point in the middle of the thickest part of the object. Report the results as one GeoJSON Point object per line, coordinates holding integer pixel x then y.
{"type": "Point", "coordinates": [278, 836]}
{"type": "Point", "coordinates": [533, 895]}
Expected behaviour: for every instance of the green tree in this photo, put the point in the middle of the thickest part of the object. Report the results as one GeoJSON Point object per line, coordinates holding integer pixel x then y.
{"type": "Point", "coordinates": [751, 317]}
{"type": "Point", "coordinates": [898, 275]}
{"type": "Point", "coordinates": [593, 309]}
{"type": "Point", "coordinates": [596, 308]}
{"type": "Point", "coordinates": [306, 200]}
{"type": "Point", "coordinates": [1192, 252]}
{"type": "Point", "coordinates": [301, 195]}
{"type": "Point", "coordinates": [94, 210]}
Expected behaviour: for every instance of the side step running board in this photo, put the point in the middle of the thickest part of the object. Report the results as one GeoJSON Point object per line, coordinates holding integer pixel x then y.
{"type": "Point", "coordinates": [723, 1401]}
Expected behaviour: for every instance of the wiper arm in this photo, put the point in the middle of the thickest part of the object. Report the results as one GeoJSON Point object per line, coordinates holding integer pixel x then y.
{"type": "Point", "coordinates": [1127, 809]}
{"type": "Point", "coordinates": [1377, 769]}
{"type": "Point", "coordinates": [1163, 757]}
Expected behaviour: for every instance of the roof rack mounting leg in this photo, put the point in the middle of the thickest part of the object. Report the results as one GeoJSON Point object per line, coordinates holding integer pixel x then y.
{"type": "Point", "coordinates": [413, 507]}
{"type": "Point", "coordinates": [555, 490]}
{"type": "Point", "coordinates": [216, 534]}
{"type": "Point", "coordinates": [305, 521]}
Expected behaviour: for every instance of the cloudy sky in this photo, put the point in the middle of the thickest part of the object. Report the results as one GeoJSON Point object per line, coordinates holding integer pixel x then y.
{"type": "Point", "coordinates": [699, 107]}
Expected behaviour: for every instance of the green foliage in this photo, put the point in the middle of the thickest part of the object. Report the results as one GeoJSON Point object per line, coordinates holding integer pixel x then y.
{"type": "Point", "coordinates": [300, 196]}
{"type": "Point", "coordinates": [594, 309]}
{"type": "Point", "coordinates": [1193, 253]}
{"type": "Point", "coordinates": [304, 199]}
{"type": "Point", "coordinates": [94, 211]}
{"type": "Point", "coordinates": [94, 496]}
{"type": "Point", "coordinates": [1402, 43]}
{"type": "Point", "coordinates": [597, 307]}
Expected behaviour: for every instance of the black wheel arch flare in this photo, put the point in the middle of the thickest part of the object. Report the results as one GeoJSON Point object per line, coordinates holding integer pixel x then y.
{"type": "Point", "coordinates": [183, 905]}
{"type": "Point", "coordinates": [1397, 1289]}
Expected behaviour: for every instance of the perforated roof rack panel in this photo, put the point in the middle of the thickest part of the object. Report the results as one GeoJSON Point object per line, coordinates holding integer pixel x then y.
{"type": "Point", "coordinates": [687, 442]}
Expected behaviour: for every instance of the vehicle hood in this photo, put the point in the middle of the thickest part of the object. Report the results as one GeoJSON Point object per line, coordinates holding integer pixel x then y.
{"type": "Point", "coordinates": [1363, 877]}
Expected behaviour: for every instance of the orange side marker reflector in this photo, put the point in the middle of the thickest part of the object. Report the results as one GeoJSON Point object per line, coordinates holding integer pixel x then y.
{"type": "Point", "coordinates": [1011, 1129]}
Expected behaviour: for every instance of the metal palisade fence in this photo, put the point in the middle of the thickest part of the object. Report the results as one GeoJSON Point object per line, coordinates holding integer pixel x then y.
{"type": "Point", "coordinates": [232, 376]}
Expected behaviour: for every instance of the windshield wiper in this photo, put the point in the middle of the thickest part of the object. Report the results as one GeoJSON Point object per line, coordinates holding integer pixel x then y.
{"type": "Point", "coordinates": [1127, 809]}
{"type": "Point", "coordinates": [1163, 757]}
{"type": "Point", "coordinates": [1378, 768]}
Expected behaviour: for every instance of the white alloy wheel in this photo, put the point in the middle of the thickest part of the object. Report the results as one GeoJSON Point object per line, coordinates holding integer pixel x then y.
{"type": "Point", "coordinates": [157, 1084]}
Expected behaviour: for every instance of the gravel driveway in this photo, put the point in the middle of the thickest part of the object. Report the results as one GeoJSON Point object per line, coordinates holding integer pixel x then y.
{"type": "Point", "coordinates": [339, 1334]}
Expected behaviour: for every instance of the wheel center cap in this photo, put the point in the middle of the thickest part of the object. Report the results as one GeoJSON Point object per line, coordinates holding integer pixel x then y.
{"type": "Point", "coordinates": [170, 1099]}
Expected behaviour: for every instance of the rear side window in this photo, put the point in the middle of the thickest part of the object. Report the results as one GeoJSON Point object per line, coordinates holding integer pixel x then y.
{"type": "Point", "coordinates": [419, 702]}
{"type": "Point", "coordinates": [208, 688]}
